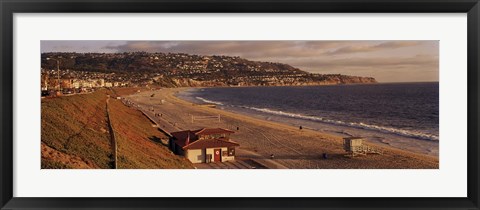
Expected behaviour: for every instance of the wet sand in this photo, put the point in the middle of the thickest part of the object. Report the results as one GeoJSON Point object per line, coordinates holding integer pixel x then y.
{"type": "Point", "coordinates": [259, 139]}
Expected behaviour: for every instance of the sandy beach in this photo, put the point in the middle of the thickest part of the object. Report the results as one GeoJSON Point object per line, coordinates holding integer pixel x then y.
{"type": "Point", "coordinates": [259, 139]}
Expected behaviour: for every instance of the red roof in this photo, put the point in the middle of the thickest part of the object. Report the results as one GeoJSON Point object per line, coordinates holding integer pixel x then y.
{"type": "Point", "coordinates": [181, 137]}
{"type": "Point", "coordinates": [189, 139]}
{"type": "Point", "coordinates": [210, 143]}
{"type": "Point", "coordinates": [209, 131]}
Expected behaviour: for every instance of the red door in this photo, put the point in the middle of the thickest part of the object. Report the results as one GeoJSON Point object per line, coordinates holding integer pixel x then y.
{"type": "Point", "coordinates": [217, 155]}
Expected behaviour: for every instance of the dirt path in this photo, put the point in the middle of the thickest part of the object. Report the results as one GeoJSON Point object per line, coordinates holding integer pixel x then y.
{"type": "Point", "coordinates": [113, 141]}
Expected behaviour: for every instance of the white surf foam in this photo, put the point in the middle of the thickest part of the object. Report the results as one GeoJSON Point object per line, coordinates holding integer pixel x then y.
{"type": "Point", "coordinates": [209, 101]}
{"type": "Point", "coordinates": [406, 133]}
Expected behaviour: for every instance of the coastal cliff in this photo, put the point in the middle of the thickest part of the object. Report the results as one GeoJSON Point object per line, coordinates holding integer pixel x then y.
{"type": "Point", "coordinates": [330, 80]}
{"type": "Point", "coordinates": [185, 70]}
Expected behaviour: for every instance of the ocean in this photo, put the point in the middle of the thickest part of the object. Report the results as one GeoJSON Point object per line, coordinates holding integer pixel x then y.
{"type": "Point", "coordinates": [402, 115]}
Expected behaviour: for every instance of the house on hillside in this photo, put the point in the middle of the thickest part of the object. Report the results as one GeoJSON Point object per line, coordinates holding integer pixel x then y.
{"type": "Point", "coordinates": [204, 145]}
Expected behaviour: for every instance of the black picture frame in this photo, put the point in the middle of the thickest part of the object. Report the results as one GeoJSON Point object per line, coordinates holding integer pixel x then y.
{"type": "Point", "coordinates": [10, 7]}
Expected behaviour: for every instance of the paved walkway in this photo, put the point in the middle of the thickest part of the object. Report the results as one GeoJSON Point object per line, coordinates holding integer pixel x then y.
{"type": "Point", "coordinates": [246, 158]}
{"type": "Point", "coordinates": [162, 123]}
{"type": "Point", "coordinates": [236, 164]}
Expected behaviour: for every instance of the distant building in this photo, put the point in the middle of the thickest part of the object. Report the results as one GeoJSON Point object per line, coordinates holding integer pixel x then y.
{"type": "Point", "coordinates": [44, 80]}
{"type": "Point", "coordinates": [77, 84]}
{"type": "Point", "coordinates": [86, 84]}
{"type": "Point", "coordinates": [100, 83]}
{"type": "Point", "coordinates": [66, 83]}
{"type": "Point", "coordinates": [205, 145]}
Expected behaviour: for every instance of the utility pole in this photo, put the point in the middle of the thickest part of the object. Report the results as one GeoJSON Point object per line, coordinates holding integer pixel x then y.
{"type": "Point", "coordinates": [59, 89]}
{"type": "Point", "coordinates": [58, 76]}
{"type": "Point", "coordinates": [104, 77]}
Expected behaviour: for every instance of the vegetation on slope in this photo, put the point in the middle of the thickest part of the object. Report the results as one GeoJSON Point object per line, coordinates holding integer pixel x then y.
{"type": "Point", "coordinates": [186, 70]}
{"type": "Point", "coordinates": [75, 135]}
{"type": "Point", "coordinates": [139, 144]}
{"type": "Point", "coordinates": [76, 127]}
{"type": "Point", "coordinates": [172, 63]}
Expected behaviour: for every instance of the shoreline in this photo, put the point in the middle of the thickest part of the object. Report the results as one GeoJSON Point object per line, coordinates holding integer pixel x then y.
{"type": "Point", "coordinates": [378, 135]}
{"type": "Point", "coordinates": [294, 148]}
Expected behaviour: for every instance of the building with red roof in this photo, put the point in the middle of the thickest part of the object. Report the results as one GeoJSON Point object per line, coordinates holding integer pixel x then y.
{"type": "Point", "coordinates": [204, 145]}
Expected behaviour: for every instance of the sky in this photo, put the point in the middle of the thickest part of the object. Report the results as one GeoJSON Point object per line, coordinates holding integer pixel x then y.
{"type": "Point", "coordinates": [385, 60]}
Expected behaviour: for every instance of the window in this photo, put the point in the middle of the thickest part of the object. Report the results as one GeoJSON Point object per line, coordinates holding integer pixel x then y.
{"type": "Point", "coordinates": [231, 151]}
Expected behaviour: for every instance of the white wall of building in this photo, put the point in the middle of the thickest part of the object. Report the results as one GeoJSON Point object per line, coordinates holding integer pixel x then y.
{"type": "Point", "coordinates": [199, 155]}
{"type": "Point", "coordinates": [195, 155]}
{"type": "Point", "coordinates": [224, 158]}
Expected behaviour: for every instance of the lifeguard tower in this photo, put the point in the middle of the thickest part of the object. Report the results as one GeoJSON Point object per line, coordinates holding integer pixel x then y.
{"type": "Point", "coordinates": [354, 146]}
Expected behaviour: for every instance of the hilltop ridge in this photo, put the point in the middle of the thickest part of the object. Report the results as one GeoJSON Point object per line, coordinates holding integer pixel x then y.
{"type": "Point", "coordinates": [184, 70]}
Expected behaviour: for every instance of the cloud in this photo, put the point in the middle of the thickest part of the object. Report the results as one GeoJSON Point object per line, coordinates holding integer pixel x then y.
{"type": "Point", "coordinates": [369, 47]}
{"type": "Point", "coordinates": [384, 69]}
{"type": "Point", "coordinates": [249, 49]}
{"type": "Point", "coordinates": [370, 58]}
{"type": "Point", "coordinates": [372, 65]}
{"type": "Point", "coordinates": [262, 49]}
{"type": "Point", "coordinates": [370, 62]}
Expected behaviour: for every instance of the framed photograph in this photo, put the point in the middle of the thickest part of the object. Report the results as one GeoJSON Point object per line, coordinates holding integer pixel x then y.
{"type": "Point", "coordinates": [239, 105]}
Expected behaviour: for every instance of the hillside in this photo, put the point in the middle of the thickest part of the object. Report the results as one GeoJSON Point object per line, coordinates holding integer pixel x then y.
{"type": "Point", "coordinates": [179, 69]}
{"type": "Point", "coordinates": [139, 144]}
{"type": "Point", "coordinates": [75, 135]}
{"type": "Point", "coordinates": [74, 128]}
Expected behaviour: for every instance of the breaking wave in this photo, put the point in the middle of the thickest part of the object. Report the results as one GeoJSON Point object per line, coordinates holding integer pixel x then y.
{"type": "Point", "coordinates": [209, 101]}
{"type": "Point", "coordinates": [361, 125]}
